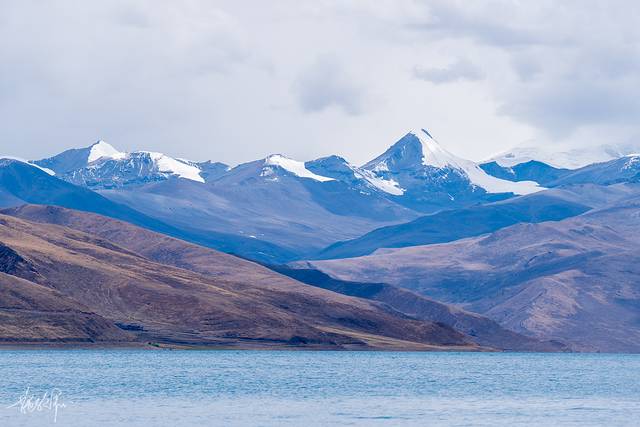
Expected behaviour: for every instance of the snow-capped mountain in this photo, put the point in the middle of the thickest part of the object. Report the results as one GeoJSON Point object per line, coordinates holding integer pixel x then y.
{"type": "Point", "coordinates": [324, 170]}
{"type": "Point", "coordinates": [8, 159]}
{"type": "Point", "coordinates": [102, 150]}
{"type": "Point", "coordinates": [431, 176]}
{"type": "Point", "coordinates": [594, 165]}
{"type": "Point", "coordinates": [624, 169]}
{"type": "Point", "coordinates": [416, 173]}
{"type": "Point", "coordinates": [102, 166]}
{"type": "Point", "coordinates": [365, 181]}
{"type": "Point", "coordinates": [23, 183]}
{"type": "Point", "coordinates": [560, 157]}
{"type": "Point", "coordinates": [334, 184]}
{"type": "Point", "coordinates": [293, 167]}
{"type": "Point", "coordinates": [302, 207]}
{"type": "Point", "coordinates": [78, 158]}
{"type": "Point", "coordinates": [275, 199]}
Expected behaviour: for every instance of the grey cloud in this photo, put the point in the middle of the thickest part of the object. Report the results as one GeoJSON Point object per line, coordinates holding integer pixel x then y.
{"type": "Point", "coordinates": [576, 63]}
{"type": "Point", "coordinates": [131, 15]}
{"type": "Point", "coordinates": [487, 23]}
{"type": "Point", "coordinates": [525, 66]}
{"type": "Point", "coordinates": [327, 84]}
{"type": "Point", "coordinates": [561, 91]}
{"type": "Point", "coordinates": [459, 70]}
{"type": "Point", "coordinates": [561, 106]}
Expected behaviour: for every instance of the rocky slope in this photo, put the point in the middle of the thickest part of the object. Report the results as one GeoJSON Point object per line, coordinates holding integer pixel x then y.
{"type": "Point", "coordinates": [575, 280]}
{"type": "Point", "coordinates": [480, 329]}
{"type": "Point", "coordinates": [163, 304]}
{"type": "Point", "coordinates": [35, 314]}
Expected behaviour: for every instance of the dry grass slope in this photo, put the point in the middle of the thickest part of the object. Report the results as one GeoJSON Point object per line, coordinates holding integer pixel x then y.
{"type": "Point", "coordinates": [162, 290]}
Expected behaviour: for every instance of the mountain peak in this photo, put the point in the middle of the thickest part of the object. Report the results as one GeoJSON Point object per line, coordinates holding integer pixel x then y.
{"type": "Point", "coordinates": [415, 149]}
{"type": "Point", "coordinates": [427, 132]}
{"type": "Point", "coordinates": [332, 159]}
{"type": "Point", "coordinates": [420, 133]}
{"type": "Point", "coordinates": [275, 158]}
{"type": "Point", "coordinates": [103, 149]}
{"type": "Point", "coordinates": [418, 151]}
{"type": "Point", "coordinates": [433, 154]}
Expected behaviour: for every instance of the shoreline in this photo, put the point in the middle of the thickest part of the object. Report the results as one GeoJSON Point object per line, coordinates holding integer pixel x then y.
{"type": "Point", "coordinates": [229, 347]}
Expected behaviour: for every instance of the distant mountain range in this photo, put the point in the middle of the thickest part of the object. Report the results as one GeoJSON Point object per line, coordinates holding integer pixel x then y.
{"type": "Point", "coordinates": [563, 157]}
{"type": "Point", "coordinates": [22, 183]}
{"type": "Point", "coordinates": [454, 224]}
{"type": "Point", "coordinates": [277, 209]}
{"type": "Point", "coordinates": [511, 253]}
{"type": "Point", "coordinates": [297, 207]}
{"type": "Point", "coordinates": [575, 280]}
{"type": "Point", "coordinates": [623, 169]}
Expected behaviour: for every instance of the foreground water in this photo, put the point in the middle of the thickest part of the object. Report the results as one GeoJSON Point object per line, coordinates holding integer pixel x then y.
{"type": "Point", "coordinates": [184, 388]}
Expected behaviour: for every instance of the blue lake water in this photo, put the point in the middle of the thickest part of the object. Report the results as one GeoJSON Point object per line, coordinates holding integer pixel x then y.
{"type": "Point", "coordinates": [203, 388]}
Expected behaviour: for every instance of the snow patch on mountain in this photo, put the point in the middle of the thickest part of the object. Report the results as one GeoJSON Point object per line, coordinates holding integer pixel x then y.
{"type": "Point", "coordinates": [432, 152]}
{"type": "Point", "coordinates": [381, 167]}
{"type": "Point", "coordinates": [27, 162]}
{"type": "Point", "coordinates": [436, 156]}
{"type": "Point", "coordinates": [496, 185]}
{"type": "Point", "coordinates": [102, 149]}
{"type": "Point", "coordinates": [634, 160]}
{"type": "Point", "coordinates": [295, 167]}
{"type": "Point", "coordinates": [388, 186]}
{"type": "Point", "coordinates": [177, 167]}
{"type": "Point", "coordinates": [561, 157]}
{"type": "Point", "coordinates": [101, 153]}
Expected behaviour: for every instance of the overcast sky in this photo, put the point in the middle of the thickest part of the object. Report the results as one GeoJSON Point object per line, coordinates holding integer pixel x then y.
{"type": "Point", "coordinates": [235, 81]}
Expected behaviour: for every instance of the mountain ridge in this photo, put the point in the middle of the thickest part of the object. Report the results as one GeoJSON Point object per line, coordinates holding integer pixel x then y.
{"type": "Point", "coordinates": [573, 280]}
{"type": "Point", "coordinates": [455, 224]}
